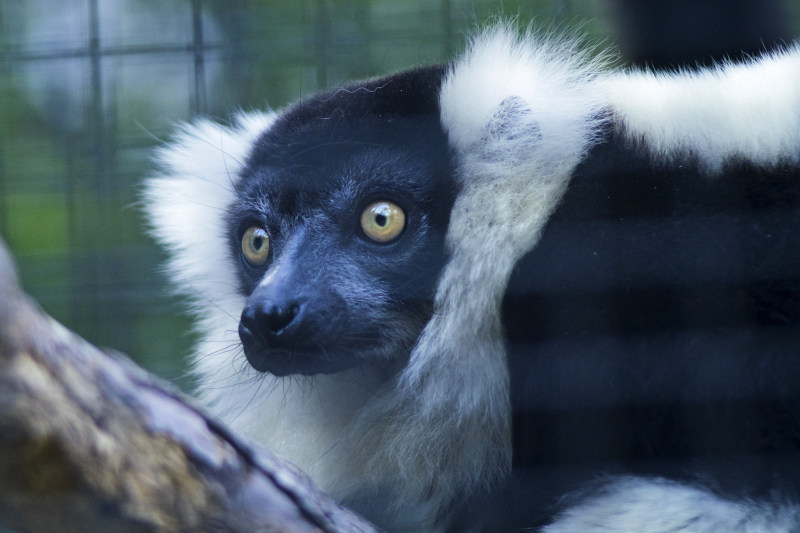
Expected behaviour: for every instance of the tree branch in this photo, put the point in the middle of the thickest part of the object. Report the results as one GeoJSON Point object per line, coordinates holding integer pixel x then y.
{"type": "Point", "coordinates": [89, 441]}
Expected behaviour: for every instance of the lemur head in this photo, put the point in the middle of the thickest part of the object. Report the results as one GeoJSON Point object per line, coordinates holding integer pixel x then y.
{"type": "Point", "coordinates": [338, 228]}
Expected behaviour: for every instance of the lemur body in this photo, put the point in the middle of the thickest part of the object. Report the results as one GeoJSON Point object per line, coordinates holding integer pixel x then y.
{"type": "Point", "coordinates": [400, 281]}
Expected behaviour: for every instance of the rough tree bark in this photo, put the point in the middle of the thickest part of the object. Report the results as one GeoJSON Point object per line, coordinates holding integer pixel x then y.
{"type": "Point", "coordinates": [90, 442]}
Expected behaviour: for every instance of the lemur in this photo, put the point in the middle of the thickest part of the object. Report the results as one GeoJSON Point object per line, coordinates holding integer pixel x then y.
{"type": "Point", "coordinates": [523, 288]}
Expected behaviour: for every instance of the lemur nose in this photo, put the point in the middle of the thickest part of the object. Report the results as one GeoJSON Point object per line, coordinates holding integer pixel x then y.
{"type": "Point", "coordinates": [277, 318]}
{"type": "Point", "coordinates": [270, 321]}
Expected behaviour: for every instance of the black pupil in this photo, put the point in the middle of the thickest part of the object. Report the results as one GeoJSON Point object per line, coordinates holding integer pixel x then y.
{"type": "Point", "coordinates": [380, 219]}
{"type": "Point", "coordinates": [257, 243]}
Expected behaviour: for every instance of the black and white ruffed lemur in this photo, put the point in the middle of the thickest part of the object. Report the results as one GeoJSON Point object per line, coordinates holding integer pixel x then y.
{"type": "Point", "coordinates": [519, 289]}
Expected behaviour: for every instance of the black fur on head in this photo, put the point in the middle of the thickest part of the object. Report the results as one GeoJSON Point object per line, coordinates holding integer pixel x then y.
{"type": "Point", "coordinates": [328, 297]}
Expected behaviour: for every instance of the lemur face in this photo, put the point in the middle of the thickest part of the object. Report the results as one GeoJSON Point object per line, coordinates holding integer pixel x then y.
{"type": "Point", "coordinates": [339, 232]}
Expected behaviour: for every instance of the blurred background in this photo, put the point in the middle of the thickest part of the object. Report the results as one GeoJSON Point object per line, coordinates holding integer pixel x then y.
{"type": "Point", "coordinates": [89, 87]}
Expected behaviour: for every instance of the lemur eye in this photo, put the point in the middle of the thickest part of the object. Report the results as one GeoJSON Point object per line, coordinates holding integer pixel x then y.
{"type": "Point", "coordinates": [383, 221]}
{"type": "Point", "coordinates": [255, 246]}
